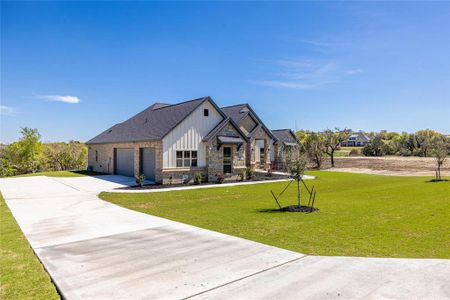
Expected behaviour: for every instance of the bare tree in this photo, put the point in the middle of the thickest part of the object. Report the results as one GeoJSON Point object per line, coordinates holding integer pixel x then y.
{"type": "Point", "coordinates": [296, 163]}
{"type": "Point", "coordinates": [332, 141]}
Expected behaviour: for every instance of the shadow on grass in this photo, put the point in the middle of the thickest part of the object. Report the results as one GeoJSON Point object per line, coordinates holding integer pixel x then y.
{"type": "Point", "coordinates": [270, 210]}
{"type": "Point", "coordinates": [289, 209]}
{"type": "Point", "coordinates": [437, 180]}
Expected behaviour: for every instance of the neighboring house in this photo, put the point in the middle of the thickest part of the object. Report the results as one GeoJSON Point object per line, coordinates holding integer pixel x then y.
{"type": "Point", "coordinates": [357, 139]}
{"type": "Point", "coordinates": [286, 139]}
{"type": "Point", "coordinates": [169, 143]}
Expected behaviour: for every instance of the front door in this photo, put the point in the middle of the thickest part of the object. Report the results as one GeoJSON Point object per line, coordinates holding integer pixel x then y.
{"type": "Point", "coordinates": [227, 160]}
{"type": "Point", "coordinates": [262, 157]}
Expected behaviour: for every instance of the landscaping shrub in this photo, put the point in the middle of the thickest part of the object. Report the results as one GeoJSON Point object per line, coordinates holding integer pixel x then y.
{"type": "Point", "coordinates": [354, 152]}
{"type": "Point", "coordinates": [140, 179]}
{"type": "Point", "coordinates": [220, 179]}
{"type": "Point", "coordinates": [249, 173]}
{"type": "Point", "coordinates": [198, 178]}
{"type": "Point", "coordinates": [243, 175]}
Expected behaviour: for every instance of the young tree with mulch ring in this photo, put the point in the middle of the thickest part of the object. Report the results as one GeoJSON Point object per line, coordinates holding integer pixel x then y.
{"type": "Point", "coordinates": [296, 163]}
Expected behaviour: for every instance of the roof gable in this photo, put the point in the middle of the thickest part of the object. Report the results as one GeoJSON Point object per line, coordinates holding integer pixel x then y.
{"type": "Point", "coordinates": [221, 126]}
{"type": "Point", "coordinates": [238, 112]}
{"type": "Point", "coordinates": [153, 123]}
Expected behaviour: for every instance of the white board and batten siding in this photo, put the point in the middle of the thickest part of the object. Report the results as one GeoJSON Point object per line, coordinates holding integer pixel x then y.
{"type": "Point", "coordinates": [188, 135]}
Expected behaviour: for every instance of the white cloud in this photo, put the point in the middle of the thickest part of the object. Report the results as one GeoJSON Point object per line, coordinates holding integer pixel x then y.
{"type": "Point", "coordinates": [65, 99]}
{"type": "Point", "coordinates": [6, 110]}
{"type": "Point", "coordinates": [305, 74]}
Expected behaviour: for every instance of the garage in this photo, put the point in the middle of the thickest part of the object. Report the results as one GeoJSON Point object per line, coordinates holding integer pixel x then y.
{"type": "Point", "coordinates": [124, 161]}
{"type": "Point", "coordinates": [148, 163]}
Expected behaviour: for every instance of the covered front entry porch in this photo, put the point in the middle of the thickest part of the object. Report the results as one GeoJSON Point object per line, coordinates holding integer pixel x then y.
{"type": "Point", "coordinates": [226, 151]}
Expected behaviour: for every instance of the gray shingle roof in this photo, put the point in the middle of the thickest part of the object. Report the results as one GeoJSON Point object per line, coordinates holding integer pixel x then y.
{"type": "Point", "coordinates": [152, 123]}
{"type": "Point", "coordinates": [284, 135]}
{"type": "Point", "coordinates": [238, 112]}
{"type": "Point", "coordinates": [234, 112]}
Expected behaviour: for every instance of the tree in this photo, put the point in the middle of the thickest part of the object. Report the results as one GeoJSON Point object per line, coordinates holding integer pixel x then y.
{"type": "Point", "coordinates": [424, 140]}
{"type": "Point", "coordinates": [65, 156]}
{"type": "Point", "coordinates": [407, 144]}
{"type": "Point", "coordinates": [332, 141]}
{"type": "Point", "coordinates": [374, 147]}
{"type": "Point", "coordinates": [314, 145]}
{"type": "Point", "coordinates": [439, 149]}
{"type": "Point", "coordinates": [31, 147]}
{"type": "Point", "coordinates": [23, 156]}
{"type": "Point", "coordinates": [296, 163]}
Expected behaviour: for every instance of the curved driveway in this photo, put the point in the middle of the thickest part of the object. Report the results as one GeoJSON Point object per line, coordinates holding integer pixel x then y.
{"type": "Point", "coordinates": [96, 250]}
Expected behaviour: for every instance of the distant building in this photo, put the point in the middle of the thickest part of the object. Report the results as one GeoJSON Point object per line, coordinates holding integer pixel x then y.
{"type": "Point", "coordinates": [357, 139]}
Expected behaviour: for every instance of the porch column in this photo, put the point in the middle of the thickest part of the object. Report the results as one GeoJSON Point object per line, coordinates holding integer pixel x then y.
{"type": "Point", "coordinates": [266, 154]}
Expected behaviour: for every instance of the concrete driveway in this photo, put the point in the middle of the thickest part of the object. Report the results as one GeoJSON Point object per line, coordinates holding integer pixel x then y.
{"type": "Point", "coordinates": [96, 250]}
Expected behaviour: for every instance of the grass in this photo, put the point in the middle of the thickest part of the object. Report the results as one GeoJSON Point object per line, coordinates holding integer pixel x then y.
{"type": "Point", "coordinates": [79, 173]}
{"type": "Point", "coordinates": [21, 274]}
{"type": "Point", "coordinates": [360, 215]}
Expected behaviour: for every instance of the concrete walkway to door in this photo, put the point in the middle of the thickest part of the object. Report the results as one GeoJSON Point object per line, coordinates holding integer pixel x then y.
{"type": "Point", "coordinates": [96, 250]}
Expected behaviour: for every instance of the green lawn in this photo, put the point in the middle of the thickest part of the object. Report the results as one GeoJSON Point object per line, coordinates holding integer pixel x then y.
{"type": "Point", "coordinates": [63, 174]}
{"type": "Point", "coordinates": [21, 274]}
{"type": "Point", "coordinates": [360, 215]}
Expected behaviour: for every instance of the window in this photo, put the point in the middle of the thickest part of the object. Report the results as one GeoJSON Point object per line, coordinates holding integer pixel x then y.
{"type": "Point", "coordinates": [206, 112]}
{"type": "Point", "coordinates": [186, 159]}
{"type": "Point", "coordinates": [96, 155]}
{"type": "Point", "coordinates": [227, 160]}
{"type": "Point", "coordinates": [179, 159]}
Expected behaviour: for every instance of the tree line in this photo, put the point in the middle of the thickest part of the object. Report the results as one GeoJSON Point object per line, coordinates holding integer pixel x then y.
{"type": "Point", "coordinates": [424, 143]}
{"type": "Point", "coordinates": [30, 155]}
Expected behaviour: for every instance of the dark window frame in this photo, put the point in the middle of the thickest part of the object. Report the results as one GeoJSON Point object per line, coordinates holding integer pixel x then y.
{"type": "Point", "coordinates": [227, 160]}
{"type": "Point", "coordinates": [206, 112]}
{"type": "Point", "coordinates": [186, 158]}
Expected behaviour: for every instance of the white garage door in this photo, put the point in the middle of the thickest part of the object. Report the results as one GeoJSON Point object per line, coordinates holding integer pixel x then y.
{"type": "Point", "coordinates": [124, 161]}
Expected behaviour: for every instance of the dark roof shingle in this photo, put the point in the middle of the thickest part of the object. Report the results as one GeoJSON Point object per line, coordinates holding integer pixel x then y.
{"type": "Point", "coordinates": [235, 112]}
{"type": "Point", "coordinates": [152, 123]}
{"type": "Point", "coordinates": [284, 135]}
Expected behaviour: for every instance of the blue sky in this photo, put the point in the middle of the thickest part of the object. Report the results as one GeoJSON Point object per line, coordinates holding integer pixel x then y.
{"type": "Point", "coordinates": [74, 69]}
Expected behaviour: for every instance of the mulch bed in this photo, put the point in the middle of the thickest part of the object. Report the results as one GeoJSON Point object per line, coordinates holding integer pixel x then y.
{"type": "Point", "coordinates": [163, 186]}
{"type": "Point", "coordinates": [296, 208]}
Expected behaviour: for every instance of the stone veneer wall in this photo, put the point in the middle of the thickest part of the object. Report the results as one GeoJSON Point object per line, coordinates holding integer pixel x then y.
{"type": "Point", "coordinates": [105, 152]}
{"type": "Point", "coordinates": [279, 157]}
{"type": "Point", "coordinates": [259, 135]}
{"type": "Point", "coordinates": [214, 156]}
{"type": "Point", "coordinates": [182, 175]}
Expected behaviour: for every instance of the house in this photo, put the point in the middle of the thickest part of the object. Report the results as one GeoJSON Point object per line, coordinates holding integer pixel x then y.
{"type": "Point", "coordinates": [285, 140]}
{"type": "Point", "coordinates": [169, 143]}
{"type": "Point", "coordinates": [356, 139]}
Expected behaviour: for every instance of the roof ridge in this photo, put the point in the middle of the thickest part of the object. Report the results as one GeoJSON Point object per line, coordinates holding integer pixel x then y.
{"type": "Point", "coordinates": [281, 129]}
{"type": "Point", "coordinates": [184, 102]}
{"type": "Point", "coordinates": [234, 105]}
